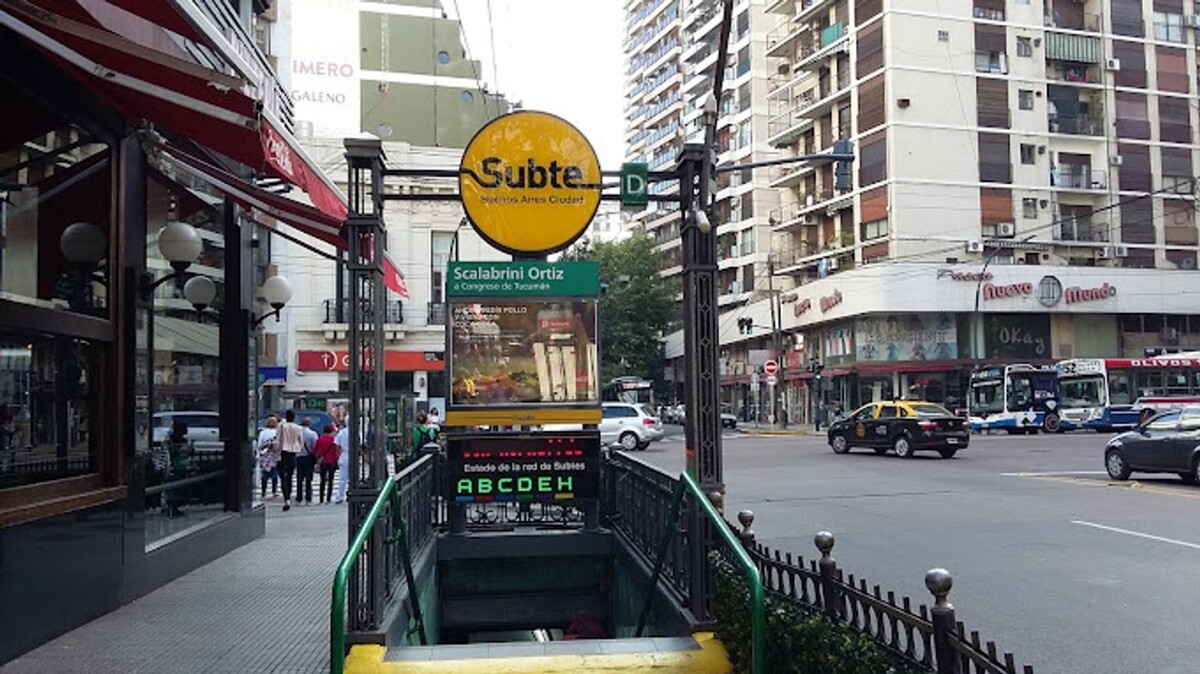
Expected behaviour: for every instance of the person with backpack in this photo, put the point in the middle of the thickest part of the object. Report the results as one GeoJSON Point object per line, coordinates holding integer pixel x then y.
{"type": "Point", "coordinates": [327, 451]}
{"type": "Point", "coordinates": [424, 437]}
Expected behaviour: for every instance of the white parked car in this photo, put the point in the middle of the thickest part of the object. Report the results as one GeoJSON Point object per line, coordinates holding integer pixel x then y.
{"type": "Point", "coordinates": [629, 426]}
{"type": "Point", "coordinates": [203, 428]}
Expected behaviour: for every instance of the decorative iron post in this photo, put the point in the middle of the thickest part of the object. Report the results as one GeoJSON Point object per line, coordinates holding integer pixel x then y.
{"type": "Point", "coordinates": [831, 596]}
{"type": "Point", "coordinates": [364, 227]}
{"type": "Point", "coordinates": [939, 582]}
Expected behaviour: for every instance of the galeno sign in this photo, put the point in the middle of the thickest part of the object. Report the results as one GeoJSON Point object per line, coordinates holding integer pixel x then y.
{"type": "Point", "coordinates": [530, 183]}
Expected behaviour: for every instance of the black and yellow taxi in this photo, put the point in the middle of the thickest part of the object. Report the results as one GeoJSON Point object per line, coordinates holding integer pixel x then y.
{"type": "Point", "coordinates": [903, 426]}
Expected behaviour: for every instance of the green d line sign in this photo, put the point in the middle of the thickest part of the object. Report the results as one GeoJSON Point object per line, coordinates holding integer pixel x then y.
{"type": "Point", "coordinates": [523, 278]}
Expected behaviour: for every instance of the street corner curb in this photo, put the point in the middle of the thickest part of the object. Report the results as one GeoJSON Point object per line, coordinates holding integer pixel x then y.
{"type": "Point", "coordinates": [768, 431]}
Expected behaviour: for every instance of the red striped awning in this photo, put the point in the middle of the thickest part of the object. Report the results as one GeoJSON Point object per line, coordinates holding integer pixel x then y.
{"type": "Point", "coordinates": [148, 86]}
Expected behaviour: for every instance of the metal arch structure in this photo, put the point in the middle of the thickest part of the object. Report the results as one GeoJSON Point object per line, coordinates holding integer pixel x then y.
{"type": "Point", "coordinates": [368, 471]}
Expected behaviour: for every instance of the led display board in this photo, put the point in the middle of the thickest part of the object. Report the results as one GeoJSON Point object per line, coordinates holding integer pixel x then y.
{"type": "Point", "coordinates": [519, 467]}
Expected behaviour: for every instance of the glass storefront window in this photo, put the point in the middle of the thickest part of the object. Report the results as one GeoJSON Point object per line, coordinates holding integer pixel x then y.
{"type": "Point", "coordinates": [184, 464]}
{"type": "Point", "coordinates": [46, 413]}
{"type": "Point", "coordinates": [54, 175]}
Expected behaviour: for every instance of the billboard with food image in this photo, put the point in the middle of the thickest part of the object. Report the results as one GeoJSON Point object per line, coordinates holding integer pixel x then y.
{"type": "Point", "coordinates": [515, 353]}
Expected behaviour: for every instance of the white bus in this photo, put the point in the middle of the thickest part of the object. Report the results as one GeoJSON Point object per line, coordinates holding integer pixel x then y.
{"type": "Point", "coordinates": [1107, 394]}
{"type": "Point", "coordinates": [1014, 398]}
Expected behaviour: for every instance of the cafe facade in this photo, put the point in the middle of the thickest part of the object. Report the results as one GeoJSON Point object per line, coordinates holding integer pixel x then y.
{"type": "Point", "coordinates": [145, 148]}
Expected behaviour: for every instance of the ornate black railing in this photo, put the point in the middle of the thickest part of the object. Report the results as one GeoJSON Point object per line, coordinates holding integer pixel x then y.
{"type": "Point", "coordinates": [928, 637]}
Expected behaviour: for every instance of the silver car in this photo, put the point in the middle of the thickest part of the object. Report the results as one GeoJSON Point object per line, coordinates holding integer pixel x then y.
{"type": "Point", "coordinates": [629, 426]}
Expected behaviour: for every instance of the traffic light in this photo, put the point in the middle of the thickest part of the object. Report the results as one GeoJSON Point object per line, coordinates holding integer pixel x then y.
{"type": "Point", "coordinates": [843, 180]}
{"type": "Point", "coordinates": [745, 325]}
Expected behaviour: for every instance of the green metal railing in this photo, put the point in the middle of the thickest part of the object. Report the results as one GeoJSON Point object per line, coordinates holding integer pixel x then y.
{"type": "Point", "coordinates": [758, 617]}
{"type": "Point", "coordinates": [388, 494]}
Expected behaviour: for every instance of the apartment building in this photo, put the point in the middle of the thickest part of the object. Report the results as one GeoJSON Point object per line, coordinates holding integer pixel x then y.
{"type": "Point", "coordinates": [671, 57]}
{"type": "Point", "coordinates": [1023, 190]}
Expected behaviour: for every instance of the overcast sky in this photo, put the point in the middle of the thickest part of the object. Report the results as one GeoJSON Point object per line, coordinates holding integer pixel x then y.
{"type": "Point", "coordinates": [559, 56]}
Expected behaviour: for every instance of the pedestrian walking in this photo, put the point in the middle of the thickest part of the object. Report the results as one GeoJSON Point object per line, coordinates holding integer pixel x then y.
{"type": "Point", "coordinates": [342, 440]}
{"type": "Point", "coordinates": [268, 458]}
{"type": "Point", "coordinates": [306, 463]}
{"type": "Point", "coordinates": [327, 451]}
{"type": "Point", "coordinates": [291, 442]}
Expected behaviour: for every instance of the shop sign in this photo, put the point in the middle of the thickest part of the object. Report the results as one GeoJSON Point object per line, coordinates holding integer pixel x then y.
{"type": "Point", "coordinates": [972, 276]}
{"type": "Point", "coordinates": [906, 337]}
{"type": "Point", "coordinates": [831, 301]}
{"type": "Point", "coordinates": [518, 467]}
{"type": "Point", "coordinates": [523, 279]}
{"type": "Point", "coordinates": [996, 292]}
{"type": "Point", "coordinates": [1074, 295]}
{"type": "Point", "coordinates": [1018, 336]}
{"type": "Point", "coordinates": [530, 183]}
{"type": "Point", "coordinates": [802, 307]}
{"type": "Point", "coordinates": [393, 361]}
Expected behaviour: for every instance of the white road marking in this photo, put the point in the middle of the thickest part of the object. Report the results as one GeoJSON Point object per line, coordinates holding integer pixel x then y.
{"type": "Point", "coordinates": [1137, 533]}
{"type": "Point", "coordinates": [1052, 473]}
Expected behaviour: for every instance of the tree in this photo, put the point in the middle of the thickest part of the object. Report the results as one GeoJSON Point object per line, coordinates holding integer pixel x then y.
{"type": "Point", "coordinates": [635, 308]}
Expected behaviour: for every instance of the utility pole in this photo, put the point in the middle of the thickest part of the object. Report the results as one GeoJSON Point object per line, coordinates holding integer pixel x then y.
{"type": "Point", "coordinates": [776, 343]}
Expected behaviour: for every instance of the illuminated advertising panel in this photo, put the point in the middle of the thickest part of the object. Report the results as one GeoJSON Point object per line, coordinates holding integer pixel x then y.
{"type": "Point", "coordinates": [521, 343]}
{"type": "Point", "coordinates": [521, 467]}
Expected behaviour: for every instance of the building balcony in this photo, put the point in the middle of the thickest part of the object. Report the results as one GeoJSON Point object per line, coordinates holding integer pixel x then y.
{"type": "Point", "coordinates": [1081, 228]}
{"type": "Point", "coordinates": [784, 36]}
{"type": "Point", "coordinates": [338, 312]}
{"type": "Point", "coordinates": [790, 175]}
{"type": "Point", "coordinates": [1073, 73]}
{"type": "Point", "coordinates": [1078, 178]}
{"type": "Point", "coordinates": [1073, 48]}
{"type": "Point", "coordinates": [1089, 23]}
{"type": "Point", "coordinates": [827, 42]}
{"type": "Point", "coordinates": [1078, 125]}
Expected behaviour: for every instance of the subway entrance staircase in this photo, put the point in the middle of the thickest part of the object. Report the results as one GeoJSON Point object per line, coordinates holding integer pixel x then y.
{"type": "Point", "coordinates": [509, 592]}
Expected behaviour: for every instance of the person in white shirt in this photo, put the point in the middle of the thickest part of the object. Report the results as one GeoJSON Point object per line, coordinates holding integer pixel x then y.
{"type": "Point", "coordinates": [342, 440]}
{"type": "Point", "coordinates": [291, 442]}
{"type": "Point", "coordinates": [434, 419]}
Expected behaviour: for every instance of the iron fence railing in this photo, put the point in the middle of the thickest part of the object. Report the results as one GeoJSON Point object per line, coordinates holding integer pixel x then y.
{"type": "Point", "coordinates": [929, 637]}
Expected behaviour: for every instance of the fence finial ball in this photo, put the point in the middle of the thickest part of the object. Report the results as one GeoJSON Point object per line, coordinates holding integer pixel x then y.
{"type": "Point", "coordinates": [746, 518]}
{"type": "Point", "coordinates": [717, 499]}
{"type": "Point", "coordinates": [939, 583]}
{"type": "Point", "coordinates": [824, 542]}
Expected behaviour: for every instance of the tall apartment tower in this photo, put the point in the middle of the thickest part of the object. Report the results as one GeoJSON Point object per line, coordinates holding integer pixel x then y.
{"type": "Point", "coordinates": [671, 54]}
{"type": "Point", "coordinates": [1023, 192]}
{"type": "Point", "coordinates": [1023, 132]}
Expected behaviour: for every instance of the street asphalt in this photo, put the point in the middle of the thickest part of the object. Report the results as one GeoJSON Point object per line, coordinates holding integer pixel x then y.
{"type": "Point", "coordinates": [1073, 573]}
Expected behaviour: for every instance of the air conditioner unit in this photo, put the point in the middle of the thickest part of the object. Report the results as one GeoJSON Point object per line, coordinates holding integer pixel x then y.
{"type": "Point", "coordinates": [733, 250]}
{"type": "Point", "coordinates": [1116, 160]}
{"type": "Point", "coordinates": [1120, 251]}
{"type": "Point", "coordinates": [1186, 263]}
{"type": "Point", "coordinates": [832, 264]}
{"type": "Point", "coordinates": [1006, 230]}
{"type": "Point", "coordinates": [810, 200]}
{"type": "Point", "coordinates": [1112, 64]}
{"type": "Point", "coordinates": [1192, 20]}
{"type": "Point", "coordinates": [974, 246]}
{"type": "Point", "coordinates": [734, 287]}
{"type": "Point", "coordinates": [1104, 253]}
{"type": "Point", "coordinates": [808, 219]}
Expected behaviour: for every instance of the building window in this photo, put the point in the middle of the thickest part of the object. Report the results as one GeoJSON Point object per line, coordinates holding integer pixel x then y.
{"type": "Point", "coordinates": [1029, 208]}
{"type": "Point", "coordinates": [1028, 153]}
{"type": "Point", "coordinates": [875, 229]}
{"type": "Point", "coordinates": [1024, 46]}
{"type": "Point", "coordinates": [990, 62]}
{"type": "Point", "coordinates": [1025, 99]}
{"type": "Point", "coordinates": [440, 244]}
{"type": "Point", "coordinates": [1168, 27]}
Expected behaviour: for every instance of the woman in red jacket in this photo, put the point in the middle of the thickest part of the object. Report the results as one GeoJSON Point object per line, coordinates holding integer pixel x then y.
{"type": "Point", "coordinates": [327, 452]}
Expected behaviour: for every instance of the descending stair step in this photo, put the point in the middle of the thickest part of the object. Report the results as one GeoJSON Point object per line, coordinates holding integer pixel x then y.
{"type": "Point", "coordinates": [699, 654]}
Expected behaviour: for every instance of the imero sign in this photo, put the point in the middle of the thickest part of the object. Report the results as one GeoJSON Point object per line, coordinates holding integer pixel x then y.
{"type": "Point", "coordinates": [530, 183]}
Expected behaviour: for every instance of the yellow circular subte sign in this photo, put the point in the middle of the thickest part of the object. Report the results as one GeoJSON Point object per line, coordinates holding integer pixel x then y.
{"type": "Point", "coordinates": [530, 183]}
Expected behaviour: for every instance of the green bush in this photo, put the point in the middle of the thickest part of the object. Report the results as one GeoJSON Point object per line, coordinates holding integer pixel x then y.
{"type": "Point", "coordinates": [799, 641]}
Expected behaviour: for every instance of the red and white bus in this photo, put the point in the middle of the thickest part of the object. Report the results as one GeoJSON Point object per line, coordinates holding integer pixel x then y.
{"type": "Point", "coordinates": [1108, 394]}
